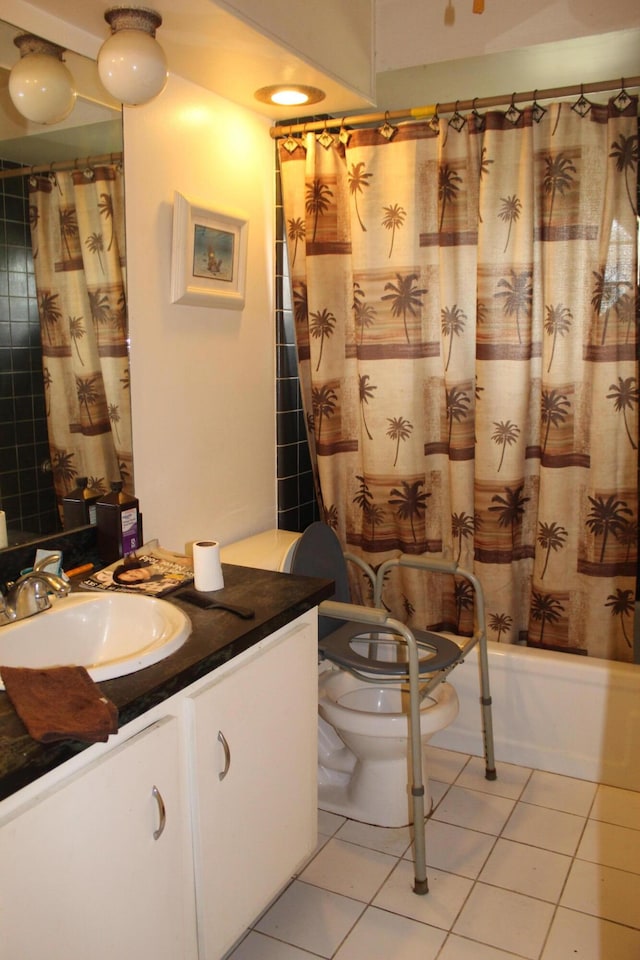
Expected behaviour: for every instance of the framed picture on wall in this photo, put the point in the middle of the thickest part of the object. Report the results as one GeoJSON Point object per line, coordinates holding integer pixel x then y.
{"type": "Point", "coordinates": [209, 256]}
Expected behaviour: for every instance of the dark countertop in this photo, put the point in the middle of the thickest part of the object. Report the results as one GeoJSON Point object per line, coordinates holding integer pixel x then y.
{"type": "Point", "coordinates": [217, 636]}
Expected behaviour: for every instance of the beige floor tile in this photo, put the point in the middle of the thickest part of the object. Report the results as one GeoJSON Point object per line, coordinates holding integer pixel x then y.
{"type": "Point", "coordinates": [617, 806]}
{"type": "Point", "coordinates": [498, 855]}
{"type": "Point", "coordinates": [603, 892]}
{"type": "Point", "coordinates": [559, 793]}
{"type": "Point", "coordinates": [458, 948]}
{"type": "Point", "coordinates": [258, 947]}
{"type": "Point", "coordinates": [310, 918]}
{"type": "Point", "coordinates": [329, 823]}
{"type": "Point", "coordinates": [437, 788]}
{"type": "Point", "coordinates": [349, 869]}
{"type": "Point", "coordinates": [444, 765]}
{"type": "Point", "coordinates": [474, 810]}
{"type": "Point", "coordinates": [506, 920]}
{"type": "Point", "coordinates": [456, 849]}
{"type": "Point", "coordinates": [392, 840]}
{"type": "Point", "coordinates": [611, 845]}
{"type": "Point", "coordinates": [510, 781]}
{"type": "Point", "coordinates": [543, 827]}
{"type": "Point", "coordinates": [380, 935]}
{"type": "Point", "coordinates": [439, 907]}
{"type": "Point", "coordinates": [529, 870]}
{"type": "Point", "coordinates": [577, 935]}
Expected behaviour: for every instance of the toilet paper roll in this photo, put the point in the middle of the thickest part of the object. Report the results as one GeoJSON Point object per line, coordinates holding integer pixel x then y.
{"type": "Point", "coordinates": [207, 569]}
{"type": "Point", "coordinates": [4, 542]}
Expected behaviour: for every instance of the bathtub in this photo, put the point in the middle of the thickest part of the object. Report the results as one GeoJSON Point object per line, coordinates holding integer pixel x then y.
{"type": "Point", "coordinates": [567, 714]}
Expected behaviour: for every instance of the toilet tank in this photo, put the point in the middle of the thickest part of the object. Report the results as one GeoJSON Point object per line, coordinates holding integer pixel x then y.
{"type": "Point", "coordinates": [269, 550]}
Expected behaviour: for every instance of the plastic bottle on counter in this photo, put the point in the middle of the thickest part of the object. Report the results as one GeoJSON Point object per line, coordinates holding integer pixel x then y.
{"type": "Point", "coordinates": [79, 506]}
{"type": "Point", "coordinates": [119, 524]}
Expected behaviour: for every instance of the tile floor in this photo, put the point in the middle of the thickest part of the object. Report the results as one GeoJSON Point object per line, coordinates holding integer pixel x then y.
{"type": "Point", "coordinates": [534, 866]}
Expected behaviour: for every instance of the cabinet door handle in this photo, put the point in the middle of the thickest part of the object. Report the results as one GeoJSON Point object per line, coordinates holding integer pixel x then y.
{"type": "Point", "coordinates": [162, 813]}
{"type": "Point", "coordinates": [227, 755]}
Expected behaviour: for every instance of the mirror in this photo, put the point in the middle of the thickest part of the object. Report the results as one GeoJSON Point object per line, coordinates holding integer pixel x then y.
{"type": "Point", "coordinates": [93, 128]}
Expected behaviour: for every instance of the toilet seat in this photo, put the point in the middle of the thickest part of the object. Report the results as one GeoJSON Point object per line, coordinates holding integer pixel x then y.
{"type": "Point", "coordinates": [338, 647]}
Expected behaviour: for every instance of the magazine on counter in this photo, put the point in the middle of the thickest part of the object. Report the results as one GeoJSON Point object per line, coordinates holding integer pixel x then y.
{"type": "Point", "coordinates": [151, 570]}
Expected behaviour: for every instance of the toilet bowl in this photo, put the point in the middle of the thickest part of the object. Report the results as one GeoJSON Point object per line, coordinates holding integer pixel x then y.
{"type": "Point", "coordinates": [363, 728]}
{"type": "Point", "coordinates": [363, 746]}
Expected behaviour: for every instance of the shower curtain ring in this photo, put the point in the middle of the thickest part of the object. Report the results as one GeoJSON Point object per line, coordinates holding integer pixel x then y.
{"type": "Point", "coordinates": [513, 114]}
{"type": "Point", "coordinates": [457, 121]}
{"type": "Point", "coordinates": [537, 111]}
{"type": "Point", "coordinates": [343, 134]}
{"type": "Point", "coordinates": [479, 120]}
{"type": "Point", "coordinates": [387, 130]}
{"type": "Point", "coordinates": [325, 139]}
{"type": "Point", "coordinates": [623, 99]}
{"type": "Point", "coordinates": [582, 105]}
{"type": "Point", "coordinates": [290, 143]}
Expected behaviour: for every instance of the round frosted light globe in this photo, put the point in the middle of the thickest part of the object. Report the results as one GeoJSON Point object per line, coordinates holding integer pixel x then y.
{"type": "Point", "coordinates": [42, 88]}
{"type": "Point", "coordinates": [132, 66]}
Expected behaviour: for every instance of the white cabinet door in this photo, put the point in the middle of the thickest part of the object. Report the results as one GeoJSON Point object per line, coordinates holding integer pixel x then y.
{"type": "Point", "coordinates": [254, 742]}
{"type": "Point", "coordinates": [95, 867]}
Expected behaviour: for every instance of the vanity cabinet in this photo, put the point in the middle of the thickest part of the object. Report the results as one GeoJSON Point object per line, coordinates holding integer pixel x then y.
{"type": "Point", "coordinates": [169, 840]}
{"type": "Point", "coordinates": [254, 764]}
{"type": "Point", "coordinates": [99, 864]}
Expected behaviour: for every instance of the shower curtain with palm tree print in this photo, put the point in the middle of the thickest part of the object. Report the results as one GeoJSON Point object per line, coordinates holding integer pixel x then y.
{"type": "Point", "coordinates": [77, 233]}
{"type": "Point", "coordinates": [464, 298]}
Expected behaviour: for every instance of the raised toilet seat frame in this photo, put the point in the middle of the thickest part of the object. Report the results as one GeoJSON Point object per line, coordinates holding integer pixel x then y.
{"type": "Point", "coordinates": [318, 553]}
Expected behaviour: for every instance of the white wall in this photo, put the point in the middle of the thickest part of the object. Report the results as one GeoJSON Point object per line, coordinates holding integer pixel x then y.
{"type": "Point", "coordinates": [202, 378]}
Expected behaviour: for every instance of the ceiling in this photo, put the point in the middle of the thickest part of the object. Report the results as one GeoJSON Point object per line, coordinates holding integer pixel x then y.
{"type": "Point", "coordinates": [204, 43]}
{"type": "Point", "coordinates": [208, 45]}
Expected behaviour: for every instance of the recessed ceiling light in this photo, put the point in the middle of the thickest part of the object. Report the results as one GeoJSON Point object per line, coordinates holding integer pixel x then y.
{"type": "Point", "coordinates": [289, 95]}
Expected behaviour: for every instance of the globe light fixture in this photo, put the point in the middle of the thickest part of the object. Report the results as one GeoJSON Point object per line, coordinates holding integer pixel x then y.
{"type": "Point", "coordinates": [131, 63]}
{"type": "Point", "coordinates": [40, 86]}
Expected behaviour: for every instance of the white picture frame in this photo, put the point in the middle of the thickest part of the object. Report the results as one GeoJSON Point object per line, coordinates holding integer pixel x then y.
{"type": "Point", "coordinates": [208, 257]}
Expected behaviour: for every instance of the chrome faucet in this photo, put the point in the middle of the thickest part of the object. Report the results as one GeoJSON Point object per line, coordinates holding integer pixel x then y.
{"type": "Point", "coordinates": [30, 592]}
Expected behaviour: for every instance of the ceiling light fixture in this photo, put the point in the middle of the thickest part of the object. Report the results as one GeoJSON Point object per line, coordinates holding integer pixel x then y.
{"type": "Point", "coordinates": [131, 63]}
{"type": "Point", "coordinates": [289, 94]}
{"type": "Point", "coordinates": [40, 86]}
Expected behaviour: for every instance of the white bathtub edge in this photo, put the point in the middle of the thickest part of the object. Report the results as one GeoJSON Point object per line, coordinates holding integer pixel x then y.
{"type": "Point", "coordinates": [557, 712]}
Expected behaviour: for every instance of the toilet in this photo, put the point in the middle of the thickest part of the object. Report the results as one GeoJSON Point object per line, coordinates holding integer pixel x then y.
{"type": "Point", "coordinates": [363, 728]}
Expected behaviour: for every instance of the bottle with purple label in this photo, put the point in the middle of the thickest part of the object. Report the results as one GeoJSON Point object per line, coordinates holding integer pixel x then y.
{"type": "Point", "coordinates": [119, 524]}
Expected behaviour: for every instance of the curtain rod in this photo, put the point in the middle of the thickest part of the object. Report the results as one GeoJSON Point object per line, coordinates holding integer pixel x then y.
{"type": "Point", "coordinates": [423, 113]}
{"type": "Point", "coordinates": [59, 165]}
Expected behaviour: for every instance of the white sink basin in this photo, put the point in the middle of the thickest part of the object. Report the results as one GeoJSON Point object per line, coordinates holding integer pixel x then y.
{"type": "Point", "coordinates": [111, 634]}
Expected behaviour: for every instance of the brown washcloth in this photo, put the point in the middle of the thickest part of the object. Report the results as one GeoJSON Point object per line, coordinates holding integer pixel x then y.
{"type": "Point", "coordinates": [60, 703]}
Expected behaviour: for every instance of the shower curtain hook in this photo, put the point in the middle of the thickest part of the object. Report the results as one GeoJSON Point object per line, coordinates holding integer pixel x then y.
{"type": "Point", "coordinates": [290, 143]}
{"type": "Point", "coordinates": [514, 113]}
{"type": "Point", "coordinates": [582, 105]}
{"type": "Point", "coordinates": [434, 123]}
{"type": "Point", "coordinates": [387, 130]}
{"type": "Point", "coordinates": [537, 111]}
{"type": "Point", "coordinates": [479, 120]}
{"type": "Point", "coordinates": [325, 139]}
{"type": "Point", "coordinates": [457, 121]}
{"type": "Point", "coordinates": [51, 176]}
{"type": "Point", "coordinates": [343, 134]}
{"type": "Point", "coordinates": [623, 99]}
